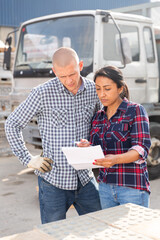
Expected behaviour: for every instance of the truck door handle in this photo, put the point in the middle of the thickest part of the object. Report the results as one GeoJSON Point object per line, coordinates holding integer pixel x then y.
{"type": "Point", "coordinates": [140, 80]}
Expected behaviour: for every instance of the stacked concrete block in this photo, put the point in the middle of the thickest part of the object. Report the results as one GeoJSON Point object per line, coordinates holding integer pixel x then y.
{"type": "Point", "coordinates": [114, 223]}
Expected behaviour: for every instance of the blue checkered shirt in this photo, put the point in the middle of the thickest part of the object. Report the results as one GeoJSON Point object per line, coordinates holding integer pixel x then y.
{"type": "Point", "coordinates": [62, 119]}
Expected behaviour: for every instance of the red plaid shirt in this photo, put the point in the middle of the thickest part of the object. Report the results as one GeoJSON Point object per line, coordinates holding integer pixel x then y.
{"type": "Point", "coordinates": [127, 129]}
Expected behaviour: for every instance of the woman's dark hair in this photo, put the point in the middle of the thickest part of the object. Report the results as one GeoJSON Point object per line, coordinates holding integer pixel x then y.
{"type": "Point", "coordinates": [116, 76]}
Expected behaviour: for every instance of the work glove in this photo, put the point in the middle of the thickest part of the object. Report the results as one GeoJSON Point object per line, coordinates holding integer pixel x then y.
{"type": "Point", "coordinates": [40, 163]}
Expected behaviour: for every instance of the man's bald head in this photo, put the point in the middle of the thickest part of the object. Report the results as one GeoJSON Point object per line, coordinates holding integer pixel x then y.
{"type": "Point", "coordinates": [64, 56]}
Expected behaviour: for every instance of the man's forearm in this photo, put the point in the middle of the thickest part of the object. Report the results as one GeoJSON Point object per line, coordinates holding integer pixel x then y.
{"type": "Point", "coordinates": [17, 144]}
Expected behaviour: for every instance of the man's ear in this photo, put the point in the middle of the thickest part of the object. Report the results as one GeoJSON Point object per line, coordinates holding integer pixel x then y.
{"type": "Point", "coordinates": [53, 70]}
{"type": "Point", "coordinates": [80, 65]}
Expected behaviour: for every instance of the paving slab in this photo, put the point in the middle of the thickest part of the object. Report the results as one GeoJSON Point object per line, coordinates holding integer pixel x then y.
{"type": "Point", "coordinates": [35, 234]}
{"type": "Point", "coordinates": [110, 224]}
{"type": "Point", "coordinates": [87, 228]}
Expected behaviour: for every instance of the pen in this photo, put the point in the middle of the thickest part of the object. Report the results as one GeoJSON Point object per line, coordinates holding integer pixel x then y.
{"type": "Point", "coordinates": [81, 142]}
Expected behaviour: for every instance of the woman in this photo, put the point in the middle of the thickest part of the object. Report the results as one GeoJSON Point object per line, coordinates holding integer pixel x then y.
{"type": "Point", "coordinates": [122, 130]}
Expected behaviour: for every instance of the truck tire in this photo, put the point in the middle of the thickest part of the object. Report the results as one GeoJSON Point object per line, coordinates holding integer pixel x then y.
{"type": "Point", "coordinates": [153, 160]}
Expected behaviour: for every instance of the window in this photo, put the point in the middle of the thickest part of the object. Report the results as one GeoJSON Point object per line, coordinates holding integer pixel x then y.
{"type": "Point", "coordinates": [39, 40]}
{"type": "Point", "coordinates": [111, 49]}
{"type": "Point", "coordinates": [149, 45]}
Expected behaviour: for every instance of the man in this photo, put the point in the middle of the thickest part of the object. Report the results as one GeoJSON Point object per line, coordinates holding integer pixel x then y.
{"type": "Point", "coordinates": [64, 107]}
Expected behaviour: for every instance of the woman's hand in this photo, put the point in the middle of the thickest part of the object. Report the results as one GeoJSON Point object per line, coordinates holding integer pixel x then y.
{"type": "Point", "coordinates": [106, 162]}
{"type": "Point", "coordinates": [83, 143]}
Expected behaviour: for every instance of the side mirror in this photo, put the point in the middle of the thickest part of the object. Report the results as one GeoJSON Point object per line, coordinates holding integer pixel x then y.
{"type": "Point", "coordinates": [125, 50]}
{"type": "Point", "coordinates": [7, 54]}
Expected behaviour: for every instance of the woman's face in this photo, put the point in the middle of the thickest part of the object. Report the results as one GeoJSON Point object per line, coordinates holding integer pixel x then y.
{"type": "Point", "coordinates": [107, 91]}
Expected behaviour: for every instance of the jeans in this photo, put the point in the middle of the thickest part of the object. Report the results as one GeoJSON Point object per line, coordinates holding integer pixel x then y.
{"type": "Point", "coordinates": [112, 195]}
{"type": "Point", "coordinates": [54, 202]}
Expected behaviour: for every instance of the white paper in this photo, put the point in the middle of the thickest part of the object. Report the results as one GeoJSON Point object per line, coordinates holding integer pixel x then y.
{"type": "Point", "coordinates": [83, 157]}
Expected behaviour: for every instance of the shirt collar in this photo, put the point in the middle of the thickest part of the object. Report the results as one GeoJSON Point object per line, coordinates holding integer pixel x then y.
{"type": "Point", "coordinates": [122, 107]}
{"type": "Point", "coordinates": [61, 87]}
{"type": "Point", "coordinates": [83, 85]}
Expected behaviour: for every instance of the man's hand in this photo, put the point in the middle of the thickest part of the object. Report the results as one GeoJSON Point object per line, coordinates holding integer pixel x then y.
{"type": "Point", "coordinates": [83, 143]}
{"type": "Point", "coordinates": [42, 164]}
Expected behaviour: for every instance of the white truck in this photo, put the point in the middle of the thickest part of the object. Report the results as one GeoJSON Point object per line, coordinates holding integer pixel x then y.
{"type": "Point", "coordinates": [100, 38]}
{"type": "Point", "coordinates": [6, 77]}
{"type": "Point", "coordinates": [5, 108]}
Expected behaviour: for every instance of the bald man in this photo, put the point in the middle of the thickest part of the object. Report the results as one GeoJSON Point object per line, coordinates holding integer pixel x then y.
{"type": "Point", "coordinates": [64, 107]}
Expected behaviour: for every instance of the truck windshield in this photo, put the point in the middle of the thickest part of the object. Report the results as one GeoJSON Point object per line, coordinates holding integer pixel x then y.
{"type": "Point", "coordinates": [39, 40]}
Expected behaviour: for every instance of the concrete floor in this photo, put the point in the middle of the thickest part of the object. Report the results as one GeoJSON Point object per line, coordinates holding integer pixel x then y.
{"type": "Point", "coordinates": [19, 206]}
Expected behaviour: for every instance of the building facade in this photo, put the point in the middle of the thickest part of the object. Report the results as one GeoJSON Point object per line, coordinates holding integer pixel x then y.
{"type": "Point", "coordinates": [14, 12]}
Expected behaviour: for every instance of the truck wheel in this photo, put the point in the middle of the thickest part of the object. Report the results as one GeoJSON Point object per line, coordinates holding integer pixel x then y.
{"type": "Point", "coordinates": [153, 160]}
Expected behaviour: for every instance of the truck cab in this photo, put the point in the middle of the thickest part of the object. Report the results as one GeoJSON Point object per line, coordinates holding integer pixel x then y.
{"type": "Point", "coordinates": [100, 38]}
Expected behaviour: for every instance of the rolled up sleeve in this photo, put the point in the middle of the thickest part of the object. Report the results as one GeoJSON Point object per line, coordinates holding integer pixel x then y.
{"type": "Point", "coordinates": [140, 134]}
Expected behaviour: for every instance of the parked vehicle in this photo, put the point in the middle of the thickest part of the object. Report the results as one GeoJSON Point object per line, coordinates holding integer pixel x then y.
{"type": "Point", "coordinates": [5, 108]}
{"type": "Point", "coordinates": [100, 38]}
{"type": "Point", "coordinates": [6, 77]}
